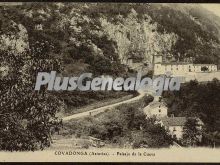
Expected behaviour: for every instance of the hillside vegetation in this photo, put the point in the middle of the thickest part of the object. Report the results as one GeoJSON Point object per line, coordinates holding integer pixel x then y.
{"type": "Point", "coordinates": [197, 100]}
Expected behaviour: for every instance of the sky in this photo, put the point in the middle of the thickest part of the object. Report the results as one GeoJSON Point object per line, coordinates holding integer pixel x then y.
{"type": "Point", "coordinates": [215, 8]}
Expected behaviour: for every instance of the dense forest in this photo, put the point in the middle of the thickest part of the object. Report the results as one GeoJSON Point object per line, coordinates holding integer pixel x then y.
{"type": "Point", "coordinates": [197, 100]}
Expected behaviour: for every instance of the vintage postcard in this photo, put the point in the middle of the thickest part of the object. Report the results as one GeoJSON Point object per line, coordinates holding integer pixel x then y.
{"type": "Point", "coordinates": [109, 82]}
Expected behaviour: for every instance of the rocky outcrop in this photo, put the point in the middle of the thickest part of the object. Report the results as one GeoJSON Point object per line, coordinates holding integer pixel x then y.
{"type": "Point", "coordinates": [138, 38]}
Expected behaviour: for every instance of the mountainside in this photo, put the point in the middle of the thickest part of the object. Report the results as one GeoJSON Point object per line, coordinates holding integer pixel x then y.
{"type": "Point", "coordinates": [111, 33]}
{"type": "Point", "coordinates": [100, 38]}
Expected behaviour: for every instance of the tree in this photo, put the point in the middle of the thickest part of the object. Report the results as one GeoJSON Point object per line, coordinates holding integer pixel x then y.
{"type": "Point", "coordinates": [26, 116]}
{"type": "Point", "coordinates": [190, 132]}
{"type": "Point", "coordinates": [154, 135]}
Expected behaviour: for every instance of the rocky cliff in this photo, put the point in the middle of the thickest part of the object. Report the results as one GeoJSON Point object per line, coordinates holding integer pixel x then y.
{"type": "Point", "coordinates": [139, 38]}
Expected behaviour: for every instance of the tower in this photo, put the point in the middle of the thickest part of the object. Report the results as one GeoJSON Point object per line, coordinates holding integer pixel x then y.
{"type": "Point", "coordinates": [157, 59]}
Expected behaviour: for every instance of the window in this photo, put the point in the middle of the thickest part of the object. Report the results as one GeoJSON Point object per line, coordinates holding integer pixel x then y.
{"type": "Point", "coordinates": [128, 35]}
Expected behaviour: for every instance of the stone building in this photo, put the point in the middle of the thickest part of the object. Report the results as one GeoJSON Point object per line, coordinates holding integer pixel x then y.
{"type": "Point", "coordinates": [180, 68]}
{"type": "Point", "coordinates": [156, 109]}
{"type": "Point", "coordinates": [175, 125]}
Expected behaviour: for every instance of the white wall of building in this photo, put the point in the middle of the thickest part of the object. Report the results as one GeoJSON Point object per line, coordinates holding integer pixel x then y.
{"type": "Point", "coordinates": [156, 109]}
{"type": "Point", "coordinates": [182, 69]}
{"type": "Point", "coordinates": [157, 59]}
{"type": "Point", "coordinates": [176, 131]}
{"type": "Point", "coordinates": [159, 111]}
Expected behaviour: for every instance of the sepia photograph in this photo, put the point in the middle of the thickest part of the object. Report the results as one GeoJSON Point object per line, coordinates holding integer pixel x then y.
{"type": "Point", "coordinates": [120, 82]}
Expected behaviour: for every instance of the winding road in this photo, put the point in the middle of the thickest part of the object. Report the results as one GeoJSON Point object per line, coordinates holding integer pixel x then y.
{"type": "Point", "coordinates": [102, 109]}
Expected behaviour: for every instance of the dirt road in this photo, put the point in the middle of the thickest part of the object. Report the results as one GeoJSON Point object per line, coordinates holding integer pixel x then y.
{"type": "Point", "coordinates": [102, 109]}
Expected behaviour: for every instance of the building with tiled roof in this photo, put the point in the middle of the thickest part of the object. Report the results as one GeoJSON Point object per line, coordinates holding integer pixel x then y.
{"type": "Point", "coordinates": [174, 125]}
{"type": "Point", "coordinates": [174, 121]}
